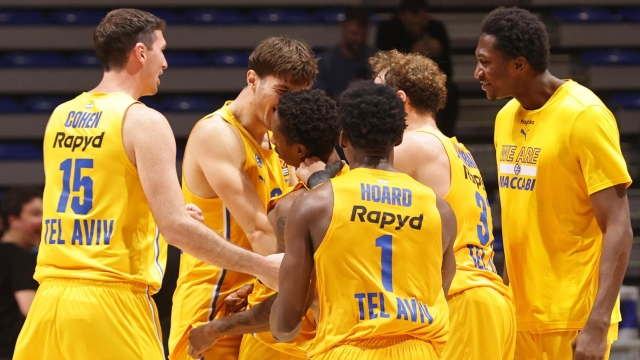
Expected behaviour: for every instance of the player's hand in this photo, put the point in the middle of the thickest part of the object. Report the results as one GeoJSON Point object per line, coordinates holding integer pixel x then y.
{"type": "Point", "coordinates": [202, 339]}
{"type": "Point", "coordinates": [308, 167]}
{"type": "Point", "coordinates": [591, 343]}
{"type": "Point", "coordinates": [237, 300]}
{"type": "Point", "coordinates": [194, 212]}
{"type": "Point", "coordinates": [270, 276]}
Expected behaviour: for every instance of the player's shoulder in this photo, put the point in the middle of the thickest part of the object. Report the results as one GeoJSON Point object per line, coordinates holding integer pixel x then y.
{"type": "Point", "coordinates": [420, 145]}
{"type": "Point", "coordinates": [213, 129]}
{"type": "Point", "coordinates": [140, 112]}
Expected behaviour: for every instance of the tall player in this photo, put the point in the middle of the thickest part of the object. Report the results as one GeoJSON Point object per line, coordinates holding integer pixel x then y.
{"type": "Point", "coordinates": [563, 180]}
{"type": "Point", "coordinates": [230, 171]}
{"type": "Point", "coordinates": [381, 244]}
{"type": "Point", "coordinates": [110, 178]}
{"type": "Point", "coordinates": [305, 125]}
{"type": "Point", "coordinates": [478, 299]}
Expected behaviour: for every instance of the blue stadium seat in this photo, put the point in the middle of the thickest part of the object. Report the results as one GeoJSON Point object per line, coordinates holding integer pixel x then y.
{"type": "Point", "coordinates": [43, 103]}
{"type": "Point", "coordinates": [626, 101]}
{"type": "Point", "coordinates": [184, 59]}
{"type": "Point", "coordinates": [630, 14]}
{"type": "Point", "coordinates": [215, 17]}
{"type": "Point", "coordinates": [22, 17]}
{"type": "Point", "coordinates": [85, 59]}
{"type": "Point", "coordinates": [23, 59]}
{"type": "Point", "coordinates": [20, 151]}
{"type": "Point", "coordinates": [611, 57]}
{"type": "Point", "coordinates": [584, 15]}
{"type": "Point", "coordinates": [153, 103]}
{"type": "Point", "coordinates": [280, 16]}
{"type": "Point", "coordinates": [330, 16]}
{"type": "Point", "coordinates": [191, 103]}
{"type": "Point", "coordinates": [228, 58]}
{"type": "Point", "coordinates": [169, 16]}
{"type": "Point", "coordinates": [77, 17]}
{"type": "Point", "coordinates": [9, 105]}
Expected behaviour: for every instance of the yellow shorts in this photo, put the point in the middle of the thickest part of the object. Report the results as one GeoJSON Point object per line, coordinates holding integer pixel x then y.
{"type": "Point", "coordinates": [254, 349]}
{"type": "Point", "coordinates": [388, 348]}
{"type": "Point", "coordinates": [554, 345]}
{"type": "Point", "coordinates": [482, 325]}
{"type": "Point", "coordinates": [85, 319]}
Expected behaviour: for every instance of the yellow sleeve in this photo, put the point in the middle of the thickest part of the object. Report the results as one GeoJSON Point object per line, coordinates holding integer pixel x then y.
{"type": "Point", "coordinates": [595, 141]}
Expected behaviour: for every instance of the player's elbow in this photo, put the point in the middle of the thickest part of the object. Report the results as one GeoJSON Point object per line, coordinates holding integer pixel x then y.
{"type": "Point", "coordinates": [283, 326]}
{"type": "Point", "coordinates": [174, 232]}
{"type": "Point", "coordinates": [262, 242]}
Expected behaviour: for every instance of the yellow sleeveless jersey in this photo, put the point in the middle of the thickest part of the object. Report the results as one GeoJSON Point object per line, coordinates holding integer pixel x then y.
{"type": "Point", "coordinates": [550, 161]}
{"type": "Point", "coordinates": [97, 224]}
{"type": "Point", "coordinates": [201, 287]}
{"type": "Point", "coordinates": [379, 266]}
{"type": "Point", "coordinates": [473, 247]}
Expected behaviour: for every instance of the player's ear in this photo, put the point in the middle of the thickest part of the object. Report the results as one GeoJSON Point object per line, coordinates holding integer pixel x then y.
{"type": "Point", "coordinates": [252, 79]}
{"type": "Point", "coordinates": [403, 96]}
{"type": "Point", "coordinates": [139, 52]}
{"type": "Point", "coordinates": [519, 63]}
{"type": "Point", "coordinates": [399, 140]}
{"type": "Point", "coordinates": [302, 151]}
{"type": "Point", "coordinates": [342, 141]}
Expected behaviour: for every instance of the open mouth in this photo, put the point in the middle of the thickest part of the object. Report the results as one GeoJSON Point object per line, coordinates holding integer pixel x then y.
{"type": "Point", "coordinates": [485, 86]}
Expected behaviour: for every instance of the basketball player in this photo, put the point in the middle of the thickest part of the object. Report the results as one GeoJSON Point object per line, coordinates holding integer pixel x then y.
{"type": "Point", "coordinates": [381, 244]}
{"type": "Point", "coordinates": [563, 180]}
{"type": "Point", "coordinates": [110, 178]}
{"type": "Point", "coordinates": [478, 299]}
{"type": "Point", "coordinates": [230, 171]}
{"type": "Point", "coordinates": [305, 125]}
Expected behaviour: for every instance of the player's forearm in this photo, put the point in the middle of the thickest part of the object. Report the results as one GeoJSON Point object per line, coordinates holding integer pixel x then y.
{"type": "Point", "coordinates": [616, 248]}
{"type": "Point", "coordinates": [206, 245]}
{"type": "Point", "coordinates": [284, 325]}
{"type": "Point", "coordinates": [254, 320]}
{"type": "Point", "coordinates": [263, 242]}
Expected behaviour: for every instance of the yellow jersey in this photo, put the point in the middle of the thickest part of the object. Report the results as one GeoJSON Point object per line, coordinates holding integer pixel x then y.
{"type": "Point", "coordinates": [379, 266]}
{"type": "Point", "coordinates": [97, 224]}
{"type": "Point", "coordinates": [550, 161]}
{"type": "Point", "coordinates": [473, 247]}
{"type": "Point", "coordinates": [202, 287]}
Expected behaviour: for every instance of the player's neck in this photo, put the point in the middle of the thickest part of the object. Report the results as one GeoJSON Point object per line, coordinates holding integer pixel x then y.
{"type": "Point", "coordinates": [369, 160]}
{"type": "Point", "coordinates": [120, 81]}
{"type": "Point", "coordinates": [241, 109]}
{"type": "Point", "coordinates": [534, 94]}
{"type": "Point", "coordinates": [417, 121]}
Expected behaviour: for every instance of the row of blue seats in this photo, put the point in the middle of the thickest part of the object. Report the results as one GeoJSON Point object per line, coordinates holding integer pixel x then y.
{"type": "Point", "coordinates": [47, 104]}
{"type": "Point", "coordinates": [596, 15]}
{"type": "Point", "coordinates": [89, 59]}
{"type": "Point", "coordinates": [241, 59]}
{"type": "Point", "coordinates": [199, 16]}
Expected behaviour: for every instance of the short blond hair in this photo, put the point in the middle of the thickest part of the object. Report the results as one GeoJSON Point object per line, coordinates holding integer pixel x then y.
{"type": "Point", "coordinates": [418, 76]}
{"type": "Point", "coordinates": [290, 60]}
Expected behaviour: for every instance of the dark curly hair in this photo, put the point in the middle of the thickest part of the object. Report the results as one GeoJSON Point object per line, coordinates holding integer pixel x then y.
{"type": "Point", "coordinates": [371, 116]}
{"type": "Point", "coordinates": [519, 33]}
{"type": "Point", "coordinates": [310, 118]}
{"type": "Point", "coordinates": [418, 76]}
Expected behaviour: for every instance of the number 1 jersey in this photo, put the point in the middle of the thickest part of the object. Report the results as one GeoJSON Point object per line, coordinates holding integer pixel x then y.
{"type": "Point", "coordinates": [379, 266]}
{"type": "Point", "coordinates": [97, 224]}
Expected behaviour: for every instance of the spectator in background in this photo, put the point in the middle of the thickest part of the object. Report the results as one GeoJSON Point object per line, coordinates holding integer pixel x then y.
{"type": "Point", "coordinates": [21, 212]}
{"type": "Point", "coordinates": [412, 30]}
{"type": "Point", "coordinates": [348, 60]}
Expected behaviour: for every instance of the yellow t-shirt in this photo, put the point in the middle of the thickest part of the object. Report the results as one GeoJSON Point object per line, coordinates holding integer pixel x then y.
{"type": "Point", "coordinates": [473, 247]}
{"type": "Point", "coordinates": [550, 161]}
{"type": "Point", "coordinates": [97, 224]}
{"type": "Point", "coordinates": [201, 288]}
{"type": "Point", "coordinates": [379, 266]}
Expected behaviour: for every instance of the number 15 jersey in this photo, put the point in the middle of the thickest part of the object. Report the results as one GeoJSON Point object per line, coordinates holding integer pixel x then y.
{"type": "Point", "coordinates": [379, 266]}
{"type": "Point", "coordinates": [97, 224]}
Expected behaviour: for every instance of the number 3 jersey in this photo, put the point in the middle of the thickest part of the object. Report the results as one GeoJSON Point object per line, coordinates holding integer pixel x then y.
{"type": "Point", "coordinates": [379, 266]}
{"type": "Point", "coordinates": [473, 247]}
{"type": "Point", "coordinates": [97, 224]}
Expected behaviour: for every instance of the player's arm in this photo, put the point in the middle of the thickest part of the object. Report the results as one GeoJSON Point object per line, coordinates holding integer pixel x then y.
{"type": "Point", "coordinates": [254, 320]}
{"type": "Point", "coordinates": [291, 304]}
{"type": "Point", "coordinates": [24, 298]}
{"type": "Point", "coordinates": [611, 209]}
{"type": "Point", "coordinates": [449, 232]}
{"type": "Point", "coordinates": [433, 170]}
{"type": "Point", "coordinates": [150, 144]}
{"type": "Point", "coordinates": [220, 154]}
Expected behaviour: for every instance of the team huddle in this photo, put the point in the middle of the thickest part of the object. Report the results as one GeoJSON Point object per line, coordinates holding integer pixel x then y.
{"type": "Point", "coordinates": [289, 253]}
